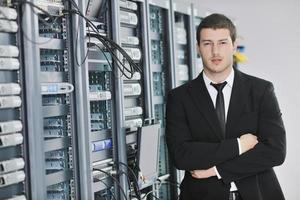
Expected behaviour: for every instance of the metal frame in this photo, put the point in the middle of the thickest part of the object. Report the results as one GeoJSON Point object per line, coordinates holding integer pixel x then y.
{"type": "Point", "coordinates": [120, 138]}
{"type": "Point", "coordinates": [167, 68]}
{"type": "Point", "coordinates": [34, 105]}
{"type": "Point", "coordinates": [82, 107]}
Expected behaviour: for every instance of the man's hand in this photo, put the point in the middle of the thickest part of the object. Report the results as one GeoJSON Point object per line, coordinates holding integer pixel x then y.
{"type": "Point", "coordinates": [203, 173]}
{"type": "Point", "coordinates": [247, 142]}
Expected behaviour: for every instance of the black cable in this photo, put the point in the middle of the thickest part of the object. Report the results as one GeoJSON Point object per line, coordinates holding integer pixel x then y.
{"type": "Point", "coordinates": [107, 186]}
{"type": "Point", "coordinates": [135, 180]}
{"type": "Point", "coordinates": [115, 180]}
{"type": "Point", "coordinates": [66, 11]}
{"type": "Point", "coordinates": [32, 5]}
{"type": "Point", "coordinates": [112, 53]}
{"type": "Point", "coordinates": [110, 44]}
{"type": "Point", "coordinates": [154, 196]}
{"type": "Point", "coordinates": [131, 70]}
{"type": "Point", "coordinates": [128, 181]}
{"type": "Point", "coordinates": [20, 2]}
{"type": "Point", "coordinates": [152, 191]}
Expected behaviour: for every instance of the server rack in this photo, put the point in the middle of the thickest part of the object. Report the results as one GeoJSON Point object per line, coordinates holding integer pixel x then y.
{"type": "Point", "coordinates": [161, 62]}
{"type": "Point", "coordinates": [14, 174]}
{"type": "Point", "coordinates": [52, 108]}
{"type": "Point", "coordinates": [182, 41]}
{"type": "Point", "coordinates": [101, 96]}
{"type": "Point", "coordinates": [81, 116]}
{"type": "Point", "coordinates": [131, 34]}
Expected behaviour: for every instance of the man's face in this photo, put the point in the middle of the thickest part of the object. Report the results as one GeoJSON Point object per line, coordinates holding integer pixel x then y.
{"type": "Point", "coordinates": [216, 49]}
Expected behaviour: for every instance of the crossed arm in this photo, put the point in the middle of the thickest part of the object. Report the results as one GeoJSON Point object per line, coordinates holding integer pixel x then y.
{"type": "Point", "coordinates": [247, 142]}
{"type": "Point", "coordinates": [257, 154]}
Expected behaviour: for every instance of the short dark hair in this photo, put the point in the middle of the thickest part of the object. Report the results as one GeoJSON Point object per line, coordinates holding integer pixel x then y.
{"type": "Point", "coordinates": [217, 21]}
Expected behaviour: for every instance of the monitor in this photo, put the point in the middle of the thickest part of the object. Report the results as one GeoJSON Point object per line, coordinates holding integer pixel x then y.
{"type": "Point", "coordinates": [148, 154]}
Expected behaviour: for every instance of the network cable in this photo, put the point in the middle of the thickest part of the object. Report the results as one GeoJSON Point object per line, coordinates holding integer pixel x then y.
{"type": "Point", "coordinates": [135, 180]}
{"type": "Point", "coordinates": [115, 180]}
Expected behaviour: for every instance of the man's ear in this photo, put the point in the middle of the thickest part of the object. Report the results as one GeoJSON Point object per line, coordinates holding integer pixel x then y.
{"type": "Point", "coordinates": [235, 46]}
{"type": "Point", "coordinates": [198, 49]}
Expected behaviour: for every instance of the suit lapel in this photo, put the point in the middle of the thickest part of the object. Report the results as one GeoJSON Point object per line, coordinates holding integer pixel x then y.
{"type": "Point", "coordinates": [203, 102]}
{"type": "Point", "coordinates": [237, 103]}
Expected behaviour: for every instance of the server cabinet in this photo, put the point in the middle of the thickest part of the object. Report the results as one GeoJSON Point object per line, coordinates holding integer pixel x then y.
{"type": "Point", "coordinates": [14, 176]}
{"type": "Point", "coordinates": [49, 77]}
{"type": "Point", "coordinates": [197, 16]}
{"type": "Point", "coordinates": [182, 42]}
{"type": "Point", "coordinates": [101, 77]}
{"type": "Point", "coordinates": [131, 34]}
{"type": "Point", "coordinates": [161, 61]}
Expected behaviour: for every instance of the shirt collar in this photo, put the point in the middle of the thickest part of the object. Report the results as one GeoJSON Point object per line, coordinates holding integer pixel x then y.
{"type": "Point", "coordinates": [229, 79]}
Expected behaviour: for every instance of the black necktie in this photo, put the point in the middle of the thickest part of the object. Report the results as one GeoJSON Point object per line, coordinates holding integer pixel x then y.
{"type": "Point", "coordinates": [220, 106]}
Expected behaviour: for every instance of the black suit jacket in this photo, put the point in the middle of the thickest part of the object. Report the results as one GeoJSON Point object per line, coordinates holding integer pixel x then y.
{"type": "Point", "coordinates": [195, 141]}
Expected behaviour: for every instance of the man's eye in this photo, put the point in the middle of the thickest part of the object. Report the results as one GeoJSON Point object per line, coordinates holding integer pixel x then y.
{"type": "Point", "coordinates": [206, 44]}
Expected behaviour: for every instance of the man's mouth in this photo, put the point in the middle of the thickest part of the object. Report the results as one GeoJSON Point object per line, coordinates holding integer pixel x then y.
{"type": "Point", "coordinates": [216, 61]}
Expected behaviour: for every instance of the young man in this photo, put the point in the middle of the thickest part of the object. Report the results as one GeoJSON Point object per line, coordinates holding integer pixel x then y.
{"type": "Point", "coordinates": [224, 128]}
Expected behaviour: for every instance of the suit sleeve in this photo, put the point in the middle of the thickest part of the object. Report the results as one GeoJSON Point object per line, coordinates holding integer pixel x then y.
{"type": "Point", "coordinates": [186, 153]}
{"type": "Point", "coordinates": [271, 149]}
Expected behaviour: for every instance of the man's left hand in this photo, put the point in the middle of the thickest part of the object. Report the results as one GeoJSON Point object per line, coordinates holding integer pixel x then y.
{"type": "Point", "coordinates": [203, 173]}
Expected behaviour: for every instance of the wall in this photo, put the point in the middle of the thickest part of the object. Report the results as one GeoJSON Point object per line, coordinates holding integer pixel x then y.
{"type": "Point", "coordinates": [271, 32]}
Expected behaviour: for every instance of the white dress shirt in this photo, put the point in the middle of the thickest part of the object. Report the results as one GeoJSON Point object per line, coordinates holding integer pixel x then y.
{"type": "Point", "coordinates": [227, 94]}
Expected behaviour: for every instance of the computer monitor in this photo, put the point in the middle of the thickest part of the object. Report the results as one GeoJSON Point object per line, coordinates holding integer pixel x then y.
{"type": "Point", "coordinates": [148, 154]}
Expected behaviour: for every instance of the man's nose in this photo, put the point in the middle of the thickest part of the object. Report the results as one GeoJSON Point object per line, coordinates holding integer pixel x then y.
{"type": "Point", "coordinates": [215, 49]}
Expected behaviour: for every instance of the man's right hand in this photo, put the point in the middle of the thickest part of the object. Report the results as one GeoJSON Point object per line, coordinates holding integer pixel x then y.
{"type": "Point", "coordinates": [247, 142]}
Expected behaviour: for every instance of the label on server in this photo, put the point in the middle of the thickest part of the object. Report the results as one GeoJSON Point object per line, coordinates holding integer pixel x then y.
{"type": "Point", "coordinates": [52, 7]}
{"type": "Point", "coordinates": [92, 40]}
{"type": "Point", "coordinates": [8, 13]}
{"type": "Point", "coordinates": [100, 96]}
{"type": "Point", "coordinates": [8, 26]}
{"type": "Point", "coordinates": [11, 140]}
{"type": "Point", "coordinates": [10, 102]}
{"type": "Point", "coordinates": [133, 111]}
{"type": "Point", "coordinates": [9, 51]}
{"type": "Point", "coordinates": [11, 165]}
{"type": "Point", "coordinates": [9, 88]}
{"type": "Point", "coordinates": [56, 88]}
{"type": "Point", "coordinates": [101, 145]}
{"type": "Point", "coordinates": [133, 123]}
{"type": "Point", "coordinates": [181, 35]}
{"type": "Point", "coordinates": [100, 175]}
{"type": "Point", "coordinates": [9, 64]}
{"type": "Point", "coordinates": [135, 76]}
{"type": "Point", "coordinates": [183, 72]}
{"type": "Point", "coordinates": [132, 40]}
{"type": "Point", "coordinates": [11, 178]}
{"type": "Point", "coordinates": [128, 4]}
{"type": "Point", "coordinates": [128, 18]}
{"type": "Point", "coordinates": [10, 126]}
{"type": "Point", "coordinates": [134, 53]}
{"type": "Point", "coordinates": [19, 197]}
{"type": "Point", "coordinates": [132, 89]}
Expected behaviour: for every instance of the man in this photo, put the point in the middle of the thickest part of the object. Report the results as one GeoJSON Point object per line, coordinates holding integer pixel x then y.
{"type": "Point", "coordinates": [224, 128]}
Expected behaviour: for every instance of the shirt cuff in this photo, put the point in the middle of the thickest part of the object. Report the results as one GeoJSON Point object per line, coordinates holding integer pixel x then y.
{"type": "Point", "coordinates": [218, 175]}
{"type": "Point", "coordinates": [239, 144]}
